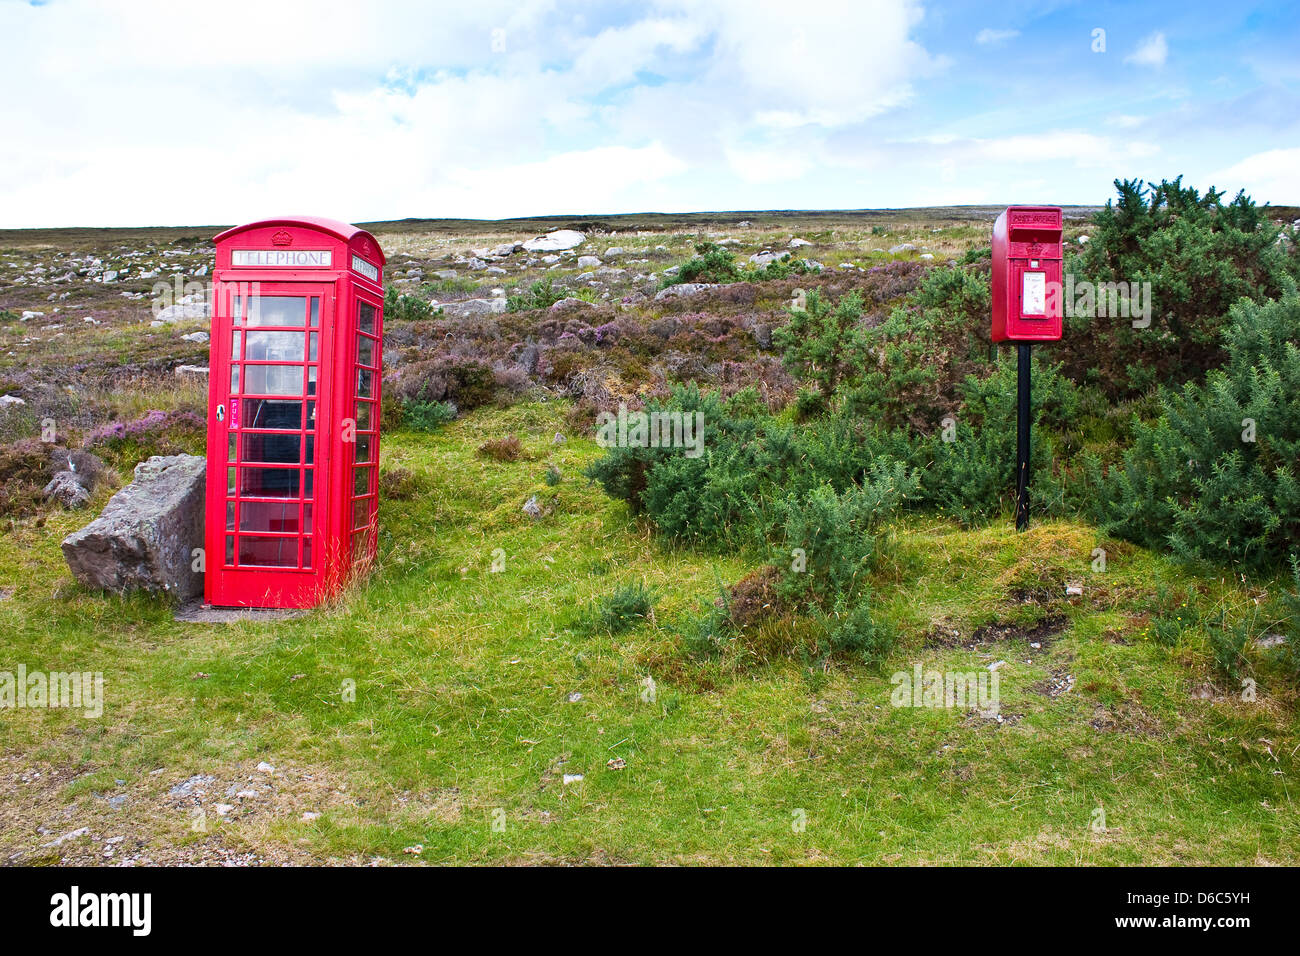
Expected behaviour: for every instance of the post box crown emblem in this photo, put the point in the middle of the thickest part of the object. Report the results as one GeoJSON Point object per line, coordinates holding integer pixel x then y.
{"type": "Point", "coordinates": [282, 238]}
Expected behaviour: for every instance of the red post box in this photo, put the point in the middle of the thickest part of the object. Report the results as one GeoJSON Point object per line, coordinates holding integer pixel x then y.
{"type": "Point", "coordinates": [1027, 274]}
{"type": "Point", "coordinates": [293, 411]}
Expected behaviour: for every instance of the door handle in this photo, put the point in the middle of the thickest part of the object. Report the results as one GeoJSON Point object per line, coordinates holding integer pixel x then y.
{"type": "Point", "coordinates": [221, 413]}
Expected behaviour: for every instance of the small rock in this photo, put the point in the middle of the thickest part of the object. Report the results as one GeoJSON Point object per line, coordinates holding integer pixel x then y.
{"type": "Point", "coordinates": [1073, 590]}
{"type": "Point", "coordinates": [223, 809]}
{"type": "Point", "coordinates": [309, 816]}
{"type": "Point", "coordinates": [901, 247]}
{"type": "Point", "coordinates": [588, 262]}
{"type": "Point", "coordinates": [532, 508]}
{"type": "Point", "coordinates": [796, 242]}
{"type": "Point", "coordinates": [66, 488]}
{"type": "Point", "coordinates": [195, 337]}
{"type": "Point", "coordinates": [183, 371]}
{"type": "Point", "coordinates": [9, 401]}
{"type": "Point", "coordinates": [569, 302]}
{"type": "Point", "coordinates": [995, 665]}
{"type": "Point", "coordinates": [559, 439]}
{"type": "Point", "coordinates": [575, 697]}
{"type": "Point", "coordinates": [572, 778]}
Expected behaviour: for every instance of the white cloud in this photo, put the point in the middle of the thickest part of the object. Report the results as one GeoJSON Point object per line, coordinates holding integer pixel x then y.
{"type": "Point", "coordinates": [989, 36]}
{"type": "Point", "coordinates": [1153, 51]}
{"type": "Point", "coordinates": [1271, 176]}
{"type": "Point", "coordinates": [158, 112]}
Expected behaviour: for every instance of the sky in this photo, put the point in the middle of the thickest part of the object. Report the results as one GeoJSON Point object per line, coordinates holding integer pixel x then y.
{"type": "Point", "coordinates": [161, 112]}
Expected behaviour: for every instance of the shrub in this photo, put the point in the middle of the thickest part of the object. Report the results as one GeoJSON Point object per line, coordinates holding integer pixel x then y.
{"type": "Point", "coordinates": [832, 534]}
{"type": "Point", "coordinates": [824, 344]}
{"type": "Point", "coordinates": [621, 610]}
{"type": "Point", "coordinates": [973, 477]}
{"type": "Point", "coordinates": [711, 263]}
{"type": "Point", "coordinates": [398, 484]}
{"type": "Point", "coordinates": [405, 308]}
{"type": "Point", "coordinates": [542, 294]}
{"type": "Point", "coordinates": [154, 433]}
{"type": "Point", "coordinates": [1194, 480]}
{"type": "Point", "coordinates": [428, 416]}
{"type": "Point", "coordinates": [502, 449]}
{"type": "Point", "coordinates": [927, 347]}
{"type": "Point", "coordinates": [1200, 256]}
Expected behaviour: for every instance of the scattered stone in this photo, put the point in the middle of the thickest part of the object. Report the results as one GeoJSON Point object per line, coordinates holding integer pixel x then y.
{"type": "Point", "coordinates": [1269, 641]}
{"type": "Point", "coordinates": [194, 786]}
{"type": "Point", "coordinates": [589, 262]}
{"type": "Point", "coordinates": [615, 251]}
{"type": "Point", "coordinates": [555, 241]}
{"type": "Point", "coordinates": [195, 337]}
{"type": "Point", "coordinates": [765, 258]}
{"type": "Point", "coordinates": [995, 665]}
{"type": "Point", "coordinates": [309, 816]}
{"type": "Point", "coordinates": [559, 439]}
{"type": "Point", "coordinates": [223, 809]}
{"type": "Point", "coordinates": [683, 290]}
{"type": "Point", "coordinates": [9, 401]}
{"type": "Point", "coordinates": [146, 534]}
{"type": "Point", "coordinates": [507, 248]}
{"type": "Point", "coordinates": [532, 508]}
{"type": "Point", "coordinates": [796, 242]}
{"type": "Point", "coordinates": [66, 488]}
{"type": "Point", "coordinates": [901, 247]}
{"type": "Point", "coordinates": [572, 778]}
{"type": "Point", "coordinates": [569, 302]}
{"type": "Point", "coordinates": [265, 767]}
{"type": "Point", "coordinates": [467, 307]}
{"type": "Point", "coordinates": [575, 697]}
{"type": "Point", "coordinates": [1073, 590]}
{"type": "Point", "coordinates": [1083, 240]}
{"type": "Point", "coordinates": [199, 371]}
{"type": "Point", "coordinates": [59, 841]}
{"type": "Point", "coordinates": [191, 307]}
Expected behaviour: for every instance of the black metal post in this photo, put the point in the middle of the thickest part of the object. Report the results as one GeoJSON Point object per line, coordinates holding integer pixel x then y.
{"type": "Point", "coordinates": [1022, 436]}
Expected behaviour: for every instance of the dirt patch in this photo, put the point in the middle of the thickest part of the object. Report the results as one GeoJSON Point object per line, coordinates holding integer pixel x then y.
{"type": "Point", "coordinates": [1124, 718]}
{"type": "Point", "coordinates": [1054, 685]}
{"type": "Point", "coordinates": [945, 634]}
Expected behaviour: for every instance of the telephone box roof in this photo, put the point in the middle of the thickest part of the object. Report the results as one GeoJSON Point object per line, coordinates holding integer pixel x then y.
{"type": "Point", "coordinates": [344, 231]}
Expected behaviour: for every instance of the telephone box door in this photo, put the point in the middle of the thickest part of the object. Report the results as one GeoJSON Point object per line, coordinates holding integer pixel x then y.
{"type": "Point", "coordinates": [268, 473]}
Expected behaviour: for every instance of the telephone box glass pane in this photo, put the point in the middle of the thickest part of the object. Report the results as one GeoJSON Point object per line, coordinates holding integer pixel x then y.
{"type": "Point", "coordinates": [234, 379]}
{"type": "Point", "coordinates": [230, 516]}
{"type": "Point", "coordinates": [363, 416]}
{"type": "Point", "coordinates": [272, 413]}
{"type": "Point", "coordinates": [361, 481]}
{"type": "Point", "coordinates": [361, 513]}
{"type": "Point", "coordinates": [273, 347]}
{"type": "Point", "coordinates": [315, 311]}
{"type": "Point", "coordinates": [230, 549]}
{"type": "Point", "coordinates": [306, 552]}
{"type": "Point", "coordinates": [230, 481]}
{"type": "Point", "coordinates": [230, 448]}
{"type": "Point", "coordinates": [306, 518]}
{"type": "Point", "coordinates": [365, 350]}
{"type": "Point", "coordinates": [365, 317]}
{"type": "Point", "coordinates": [359, 545]}
{"type": "Point", "coordinates": [365, 383]}
{"type": "Point", "coordinates": [279, 516]}
{"type": "Point", "coordinates": [268, 552]}
{"type": "Point", "coordinates": [269, 482]}
{"type": "Point", "coordinates": [273, 379]}
{"type": "Point", "coordinates": [311, 352]}
{"type": "Point", "coordinates": [363, 449]}
{"type": "Point", "coordinates": [277, 310]}
{"type": "Point", "coordinates": [235, 338]}
{"type": "Point", "coordinates": [282, 449]}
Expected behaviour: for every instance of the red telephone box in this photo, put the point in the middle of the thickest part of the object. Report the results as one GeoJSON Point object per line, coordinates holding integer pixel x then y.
{"type": "Point", "coordinates": [293, 411]}
{"type": "Point", "coordinates": [1027, 274]}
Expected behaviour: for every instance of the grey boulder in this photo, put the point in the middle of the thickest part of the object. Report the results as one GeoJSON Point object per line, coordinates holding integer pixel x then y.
{"type": "Point", "coordinates": [66, 488]}
{"type": "Point", "coordinates": [147, 533]}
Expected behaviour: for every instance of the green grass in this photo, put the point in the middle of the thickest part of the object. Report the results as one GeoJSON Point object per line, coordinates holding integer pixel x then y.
{"type": "Point", "coordinates": [466, 682]}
